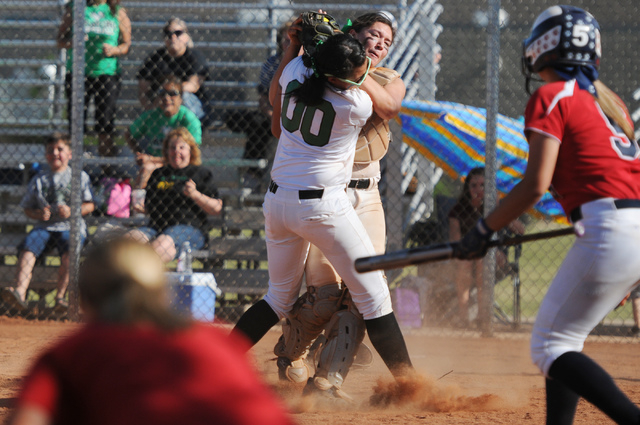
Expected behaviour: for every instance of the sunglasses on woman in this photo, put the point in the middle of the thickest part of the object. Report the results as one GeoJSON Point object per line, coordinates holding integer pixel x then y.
{"type": "Point", "coordinates": [169, 34]}
{"type": "Point", "coordinates": [354, 83]}
{"type": "Point", "coordinates": [172, 93]}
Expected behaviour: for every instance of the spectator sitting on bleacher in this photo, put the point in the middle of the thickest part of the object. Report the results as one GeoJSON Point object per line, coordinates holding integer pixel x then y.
{"type": "Point", "coordinates": [47, 200]}
{"type": "Point", "coordinates": [178, 58]}
{"type": "Point", "coordinates": [179, 197]}
{"type": "Point", "coordinates": [146, 133]}
{"type": "Point", "coordinates": [257, 124]}
{"type": "Point", "coordinates": [108, 37]}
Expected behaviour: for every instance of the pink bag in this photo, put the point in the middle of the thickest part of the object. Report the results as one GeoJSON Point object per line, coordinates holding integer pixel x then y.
{"type": "Point", "coordinates": [407, 307]}
{"type": "Point", "coordinates": [119, 199]}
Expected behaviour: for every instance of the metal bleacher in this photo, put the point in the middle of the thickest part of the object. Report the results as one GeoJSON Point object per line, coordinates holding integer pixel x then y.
{"type": "Point", "coordinates": [235, 38]}
{"type": "Point", "coordinates": [32, 68]}
{"type": "Point", "coordinates": [33, 104]}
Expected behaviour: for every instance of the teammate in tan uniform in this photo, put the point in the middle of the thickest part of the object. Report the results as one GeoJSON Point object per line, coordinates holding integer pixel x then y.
{"type": "Point", "coordinates": [327, 305]}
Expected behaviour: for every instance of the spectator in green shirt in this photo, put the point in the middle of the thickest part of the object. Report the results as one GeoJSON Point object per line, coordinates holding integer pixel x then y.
{"type": "Point", "coordinates": [147, 132]}
{"type": "Point", "coordinates": [107, 30]}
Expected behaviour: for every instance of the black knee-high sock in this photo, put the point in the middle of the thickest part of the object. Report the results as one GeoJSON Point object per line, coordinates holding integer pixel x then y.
{"type": "Point", "coordinates": [256, 321]}
{"type": "Point", "coordinates": [384, 333]}
{"type": "Point", "coordinates": [587, 379]}
{"type": "Point", "coordinates": [561, 403]}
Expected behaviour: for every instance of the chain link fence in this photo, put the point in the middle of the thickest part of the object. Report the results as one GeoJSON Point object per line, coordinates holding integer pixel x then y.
{"type": "Point", "coordinates": [522, 273]}
{"type": "Point", "coordinates": [152, 66]}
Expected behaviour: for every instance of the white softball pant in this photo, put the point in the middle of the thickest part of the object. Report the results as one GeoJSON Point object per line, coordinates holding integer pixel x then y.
{"type": "Point", "coordinates": [368, 206]}
{"type": "Point", "coordinates": [601, 268]}
{"type": "Point", "coordinates": [331, 224]}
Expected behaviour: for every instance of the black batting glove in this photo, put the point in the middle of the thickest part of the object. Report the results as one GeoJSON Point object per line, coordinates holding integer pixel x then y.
{"type": "Point", "coordinates": [475, 243]}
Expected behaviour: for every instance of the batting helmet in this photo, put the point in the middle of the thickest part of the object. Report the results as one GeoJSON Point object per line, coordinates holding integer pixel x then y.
{"type": "Point", "coordinates": [561, 35]}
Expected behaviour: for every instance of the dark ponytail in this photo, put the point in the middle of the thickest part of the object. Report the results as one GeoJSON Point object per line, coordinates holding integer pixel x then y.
{"type": "Point", "coordinates": [338, 56]}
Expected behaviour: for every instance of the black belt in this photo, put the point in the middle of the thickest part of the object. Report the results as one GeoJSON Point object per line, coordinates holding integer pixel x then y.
{"type": "Point", "coordinates": [576, 214]}
{"type": "Point", "coordinates": [302, 194]}
{"type": "Point", "coordinates": [360, 184]}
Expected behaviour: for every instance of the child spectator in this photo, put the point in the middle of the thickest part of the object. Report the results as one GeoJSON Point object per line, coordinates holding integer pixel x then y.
{"type": "Point", "coordinates": [47, 200]}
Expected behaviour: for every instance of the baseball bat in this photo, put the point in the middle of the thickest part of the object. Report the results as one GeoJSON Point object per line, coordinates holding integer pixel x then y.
{"type": "Point", "coordinates": [442, 251]}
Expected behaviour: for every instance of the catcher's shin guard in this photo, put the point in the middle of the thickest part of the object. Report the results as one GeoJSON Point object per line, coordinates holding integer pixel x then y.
{"type": "Point", "coordinates": [345, 333]}
{"type": "Point", "coordinates": [308, 318]}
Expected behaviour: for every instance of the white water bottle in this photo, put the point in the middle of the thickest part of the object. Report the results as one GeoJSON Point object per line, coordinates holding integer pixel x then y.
{"type": "Point", "coordinates": [185, 259]}
{"type": "Point", "coordinates": [188, 258]}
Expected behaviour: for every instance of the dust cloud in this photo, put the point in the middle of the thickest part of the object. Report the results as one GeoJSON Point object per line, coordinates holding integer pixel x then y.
{"type": "Point", "coordinates": [427, 394]}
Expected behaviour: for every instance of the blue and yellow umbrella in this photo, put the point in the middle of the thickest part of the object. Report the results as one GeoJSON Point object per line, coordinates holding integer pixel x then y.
{"type": "Point", "coordinates": [452, 136]}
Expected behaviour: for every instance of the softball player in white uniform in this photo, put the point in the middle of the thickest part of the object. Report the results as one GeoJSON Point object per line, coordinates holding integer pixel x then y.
{"type": "Point", "coordinates": [307, 201]}
{"type": "Point", "coordinates": [327, 219]}
{"type": "Point", "coordinates": [325, 303]}
{"type": "Point", "coordinates": [581, 141]}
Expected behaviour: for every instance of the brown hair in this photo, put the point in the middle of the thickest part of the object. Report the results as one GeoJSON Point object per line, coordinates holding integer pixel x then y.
{"type": "Point", "coordinates": [465, 196]}
{"type": "Point", "coordinates": [368, 19]}
{"type": "Point", "coordinates": [283, 31]}
{"type": "Point", "coordinates": [113, 5]}
{"type": "Point", "coordinates": [173, 79]}
{"type": "Point", "coordinates": [58, 137]}
{"type": "Point", "coordinates": [184, 134]}
{"type": "Point", "coordinates": [123, 281]}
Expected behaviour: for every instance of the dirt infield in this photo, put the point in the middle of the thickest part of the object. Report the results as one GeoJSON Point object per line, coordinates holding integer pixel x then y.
{"type": "Point", "coordinates": [469, 380]}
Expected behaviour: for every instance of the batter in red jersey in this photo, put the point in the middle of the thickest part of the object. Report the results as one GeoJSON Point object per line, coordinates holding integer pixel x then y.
{"type": "Point", "coordinates": [595, 158]}
{"type": "Point", "coordinates": [581, 142]}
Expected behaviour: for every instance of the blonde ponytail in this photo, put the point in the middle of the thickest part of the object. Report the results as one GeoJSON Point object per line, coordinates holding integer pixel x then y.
{"type": "Point", "coordinates": [614, 108]}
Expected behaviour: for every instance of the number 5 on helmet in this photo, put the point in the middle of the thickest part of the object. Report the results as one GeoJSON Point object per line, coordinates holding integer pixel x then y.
{"type": "Point", "coordinates": [561, 35]}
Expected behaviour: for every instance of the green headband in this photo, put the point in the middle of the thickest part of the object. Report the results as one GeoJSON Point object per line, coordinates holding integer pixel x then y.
{"type": "Point", "coordinates": [347, 26]}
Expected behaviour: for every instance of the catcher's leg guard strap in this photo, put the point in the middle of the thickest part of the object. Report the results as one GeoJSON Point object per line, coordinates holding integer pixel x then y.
{"type": "Point", "coordinates": [345, 332]}
{"type": "Point", "coordinates": [386, 338]}
{"type": "Point", "coordinates": [256, 321]}
{"type": "Point", "coordinates": [298, 371]}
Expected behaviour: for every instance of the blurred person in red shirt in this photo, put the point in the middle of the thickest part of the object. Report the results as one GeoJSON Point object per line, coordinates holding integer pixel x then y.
{"type": "Point", "coordinates": [135, 361]}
